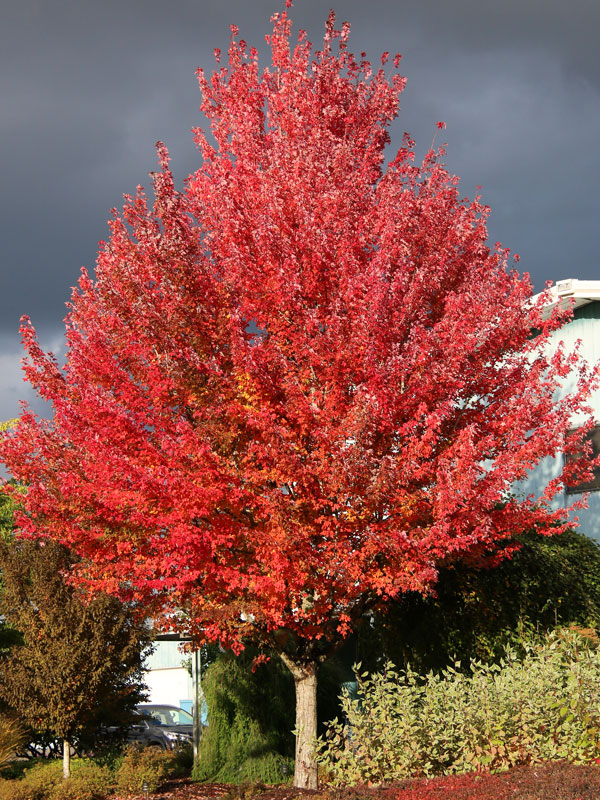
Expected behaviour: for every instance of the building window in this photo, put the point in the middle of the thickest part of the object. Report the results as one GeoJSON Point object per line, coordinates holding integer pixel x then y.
{"type": "Point", "coordinates": [593, 485]}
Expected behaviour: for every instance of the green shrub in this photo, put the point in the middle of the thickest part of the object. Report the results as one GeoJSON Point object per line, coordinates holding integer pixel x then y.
{"type": "Point", "coordinates": [93, 779]}
{"type": "Point", "coordinates": [37, 783]}
{"type": "Point", "coordinates": [544, 706]}
{"type": "Point", "coordinates": [241, 753]}
{"type": "Point", "coordinates": [15, 790]}
{"type": "Point", "coordinates": [89, 781]}
{"type": "Point", "coordinates": [251, 718]}
{"type": "Point", "coordinates": [149, 765]}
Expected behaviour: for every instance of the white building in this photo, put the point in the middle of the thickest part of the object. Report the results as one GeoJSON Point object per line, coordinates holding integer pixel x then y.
{"type": "Point", "coordinates": [168, 676]}
{"type": "Point", "coordinates": [583, 328]}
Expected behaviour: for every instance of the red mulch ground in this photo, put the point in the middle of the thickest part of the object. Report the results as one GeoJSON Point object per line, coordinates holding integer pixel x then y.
{"type": "Point", "coordinates": [185, 789]}
{"type": "Point", "coordinates": [553, 781]}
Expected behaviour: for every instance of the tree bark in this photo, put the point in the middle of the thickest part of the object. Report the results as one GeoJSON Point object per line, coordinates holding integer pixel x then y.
{"type": "Point", "coordinates": [66, 759]}
{"type": "Point", "coordinates": [305, 680]}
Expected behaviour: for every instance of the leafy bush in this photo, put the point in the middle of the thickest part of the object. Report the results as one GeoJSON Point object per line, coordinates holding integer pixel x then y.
{"type": "Point", "coordinates": [543, 707]}
{"type": "Point", "coordinates": [88, 781]}
{"type": "Point", "coordinates": [149, 765]}
{"type": "Point", "coordinates": [93, 779]}
{"type": "Point", "coordinates": [38, 783]}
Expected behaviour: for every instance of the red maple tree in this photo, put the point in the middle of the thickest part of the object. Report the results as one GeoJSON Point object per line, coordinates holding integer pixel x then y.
{"type": "Point", "coordinates": [297, 386]}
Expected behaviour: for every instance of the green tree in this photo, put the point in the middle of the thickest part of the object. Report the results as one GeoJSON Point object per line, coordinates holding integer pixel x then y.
{"type": "Point", "coordinates": [476, 612]}
{"type": "Point", "coordinates": [79, 664]}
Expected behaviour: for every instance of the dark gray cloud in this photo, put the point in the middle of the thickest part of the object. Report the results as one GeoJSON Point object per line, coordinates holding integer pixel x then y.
{"type": "Point", "coordinates": [88, 87]}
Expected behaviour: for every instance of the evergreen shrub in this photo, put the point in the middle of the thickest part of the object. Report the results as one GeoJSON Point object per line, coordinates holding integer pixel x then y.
{"type": "Point", "coordinates": [250, 722]}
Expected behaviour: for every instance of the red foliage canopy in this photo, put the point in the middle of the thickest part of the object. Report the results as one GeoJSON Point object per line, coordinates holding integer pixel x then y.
{"type": "Point", "coordinates": [297, 386]}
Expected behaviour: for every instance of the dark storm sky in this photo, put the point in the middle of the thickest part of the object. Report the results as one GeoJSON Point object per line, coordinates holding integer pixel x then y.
{"type": "Point", "coordinates": [88, 86]}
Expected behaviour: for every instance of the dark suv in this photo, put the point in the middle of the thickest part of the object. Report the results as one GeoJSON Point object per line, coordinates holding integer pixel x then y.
{"type": "Point", "coordinates": [167, 727]}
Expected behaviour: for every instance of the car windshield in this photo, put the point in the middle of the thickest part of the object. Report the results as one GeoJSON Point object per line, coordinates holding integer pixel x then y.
{"type": "Point", "coordinates": [167, 715]}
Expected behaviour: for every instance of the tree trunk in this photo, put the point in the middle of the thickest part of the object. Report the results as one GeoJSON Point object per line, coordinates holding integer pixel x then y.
{"type": "Point", "coordinates": [66, 759]}
{"type": "Point", "coordinates": [305, 680]}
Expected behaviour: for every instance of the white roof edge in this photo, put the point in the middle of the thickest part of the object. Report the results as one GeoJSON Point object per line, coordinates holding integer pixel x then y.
{"type": "Point", "coordinates": [572, 289]}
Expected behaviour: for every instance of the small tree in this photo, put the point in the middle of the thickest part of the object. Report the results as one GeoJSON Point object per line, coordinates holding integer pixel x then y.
{"type": "Point", "coordinates": [299, 386]}
{"type": "Point", "coordinates": [79, 665]}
